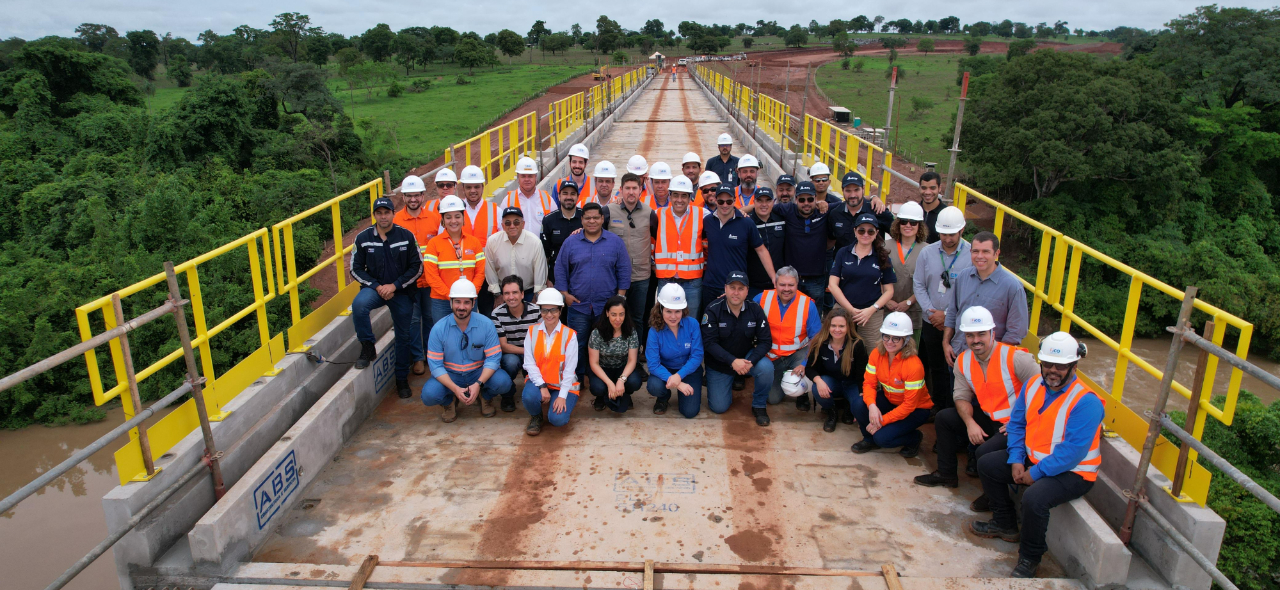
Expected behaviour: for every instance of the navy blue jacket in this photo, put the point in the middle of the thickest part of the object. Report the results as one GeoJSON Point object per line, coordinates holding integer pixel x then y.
{"type": "Point", "coordinates": [393, 261]}
{"type": "Point", "coordinates": [727, 171]}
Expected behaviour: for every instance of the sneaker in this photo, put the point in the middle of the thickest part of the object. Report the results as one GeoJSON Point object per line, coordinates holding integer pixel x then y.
{"type": "Point", "coordinates": [971, 468]}
{"type": "Point", "coordinates": [535, 426]}
{"type": "Point", "coordinates": [990, 530]}
{"type": "Point", "coordinates": [982, 504]}
{"type": "Point", "coordinates": [1025, 568]}
{"type": "Point", "coordinates": [402, 388]}
{"type": "Point", "coordinates": [599, 404]}
{"type": "Point", "coordinates": [419, 367]}
{"type": "Point", "coordinates": [833, 417]}
{"type": "Point", "coordinates": [660, 407]}
{"type": "Point", "coordinates": [739, 383]}
{"type": "Point", "coordinates": [863, 446]}
{"type": "Point", "coordinates": [846, 416]}
{"type": "Point", "coordinates": [803, 404]}
{"type": "Point", "coordinates": [934, 480]}
{"type": "Point", "coordinates": [762, 416]}
{"type": "Point", "coordinates": [486, 408]}
{"type": "Point", "coordinates": [367, 353]}
{"type": "Point", "coordinates": [508, 403]}
{"type": "Point", "coordinates": [450, 412]}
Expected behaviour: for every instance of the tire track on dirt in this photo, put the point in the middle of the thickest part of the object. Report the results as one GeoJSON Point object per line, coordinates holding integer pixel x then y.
{"type": "Point", "coordinates": [646, 144]}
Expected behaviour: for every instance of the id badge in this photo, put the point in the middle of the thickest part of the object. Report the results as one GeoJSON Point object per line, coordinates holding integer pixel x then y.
{"type": "Point", "coordinates": [942, 288]}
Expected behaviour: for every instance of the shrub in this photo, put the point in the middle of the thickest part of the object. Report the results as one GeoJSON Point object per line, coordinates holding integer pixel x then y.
{"type": "Point", "coordinates": [420, 85]}
{"type": "Point", "coordinates": [395, 90]}
{"type": "Point", "coordinates": [859, 63]}
{"type": "Point", "coordinates": [462, 80]}
{"type": "Point", "coordinates": [844, 64]}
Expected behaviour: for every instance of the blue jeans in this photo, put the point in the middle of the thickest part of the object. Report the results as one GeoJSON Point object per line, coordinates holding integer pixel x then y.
{"type": "Point", "coordinates": [601, 390]}
{"type": "Point", "coordinates": [847, 392]}
{"type": "Point", "coordinates": [692, 293]}
{"type": "Point", "coordinates": [532, 399]}
{"type": "Point", "coordinates": [895, 434]}
{"type": "Point", "coordinates": [440, 309]}
{"type": "Point", "coordinates": [815, 288]}
{"type": "Point", "coordinates": [581, 323]}
{"type": "Point", "coordinates": [637, 295]}
{"type": "Point", "coordinates": [435, 394]}
{"type": "Point", "coordinates": [689, 404]}
{"type": "Point", "coordinates": [421, 324]}
{"type": "Point", "coordinates": [720, 392]}
{"type": "Point", "coordinates": [401, 306]}
{"type": "Point", "coordinates": [511, 365]}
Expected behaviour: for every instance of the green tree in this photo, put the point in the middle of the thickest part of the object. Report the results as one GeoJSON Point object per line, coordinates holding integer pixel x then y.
{"type": "Point", "coordinates": [1022, 31]}
{"type": "Point", "coordinates": [747, 42]}
{"type": "Point", "coordinates": [924, 45]}
{"type": "Point", "coordinates": [796, 37]}
{"type": "Point", "coordinates": [318, 47]}
{"type": "Point", "coordinates": [65, 72]}
{"type": "Point", "coordinates": [1020, 48]}
{"type": "Point", "coordinates": [978, 65]}
{"type": "Point", "coordinates": [445, 36]}
{"type": "Point", "coordinates": [510, 43]}
{"type": "Point", "coordinates": [95, 36]}
{"type": "Point", "coordinates": [654, 28]}
{"type": "Point", "coordinates": [377, 42]}
{"type": "Point", "coordinates": [980, 29]}
{"type": "Point", "coordinates": [537, 33]}
{"type": "Point", "coordinates": [1223, 56]}
{"type": "Point", "coordinates": [144, 52]}
{"type": "Point", "coordinates": [557, 42]}
{"type": "Point", "coordinates": [608, 34]}
{"type": "Point", "coordinates": [471, 54]}
{"type": "Point", "coordinates": [620, 57]}
{"type": "Point", "coordinates": [1004, 29]}
{"type": "Point", "coordinates": [180, 71]}
{"type": "Point", "coordinates": [949, 25]}
{"type": "Point", "coordinates": [348, 57]}
{"type": "Point", "coordinates": [973, 44]}
{"type": "Point", "coordinates": [840, 43]}
{"type": "Point", "coordinates": [291, 27]}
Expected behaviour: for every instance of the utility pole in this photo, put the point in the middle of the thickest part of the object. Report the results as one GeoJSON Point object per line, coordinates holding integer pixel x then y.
{"type": "Point", "coordinates": [888, 120]}
{"type": "Point", "coordinates": [804, 103]}
{"type": "Point", "coordinates": [955, 141]}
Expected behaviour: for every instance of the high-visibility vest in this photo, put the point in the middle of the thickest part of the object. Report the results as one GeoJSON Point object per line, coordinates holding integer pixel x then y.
{"type": "Point", "coordinates": [1046, 429]}
{"type": "Point", "coordinates": [544, 200]}
{"type": "Point", "coordinates": [488, 221]}
{"type": "Point", "coordinates": [583, 190]}
{"type": "Point", "coordinates": [590, 194]}
{"type": "Point", "coordinates": [678, 254]}
{"type": "Point", "coordinates": [550, 355]}
{"type": "Point", "coordinates": [997, 387]}
{"type": "Point", "coordinates": [741, 203]}
{"type": "Point", "coordinates": [788, 335]}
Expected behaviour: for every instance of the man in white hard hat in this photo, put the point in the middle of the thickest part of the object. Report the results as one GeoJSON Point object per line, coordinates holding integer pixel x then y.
{"type": "Point", "coordinates": [990, 284]}
{"type": "Point", "coordinates": [425, 225]}
{"type": "Point", "coordinates": [678, 247]}
{"type": "Point", "coordinates": [578, 158]}
{"type": "Point", "coordinates": [464, 357]}
{"type": "Point", "coordinates": [602, 189]}
{"type": "Point", "coordinates": [937, 267]}
{"type": "Point", "coordinates": [1055, 432]}
{"type": "Point", "coordinates": [708, 184]}
{"type": "Point", "coordinates": [640, 167]}
{"type": "Point", "coordinates": [691, 167]}
{"type": "Point", "coordinates": [748, 171]}
{"type": "Point", "coordinates": [386, 262]}
{"type": "Point", "coordinates": [660, 179]}
{"type": "Point", "coordinates": [482, 217]}
{"type": "Point", "coordinates": [515, 251]}
{"type": "Point", "coordinates": [724, 164]}
{"type": "Point", "coordinates": [551, 362]}
{"type": "Point", "coordinates": [446, 184]}
{"type": "Point", "coordinates": [930, 201]}
{"type": "Point", "coordinates": [535, 202]}
{"type": "Point", "coordinates": [989, 375]}
{"type": "Point", "coordinates": [820, 176]}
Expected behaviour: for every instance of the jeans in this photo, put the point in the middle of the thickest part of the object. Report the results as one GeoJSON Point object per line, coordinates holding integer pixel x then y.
{"type": "Point", "coordinates": [601, 390]}
{"type": "Point", "coordinates": [636, 299]}
{"type": "Point", "coordinates": [440, 309]}
{"type": "Point", "coordinates": [782, 365]}
{"type": "Point", "coordinates": [532, 399]}
{"type": "Point", "coordinates": [953, 435]}
{"type": "Point", "coordinates": [894, 434]}
{"type": "Point", "coordinates": [435, 394]}
{"type": "Point", "coordinates": [693, 295]}
{"type": "Point", "coordinates": [1037, 500]}
{"type": "Point", "coordinates": [838, 393]}
{"type": "Point", "coordinates": [816, 289]}
{"type": "Point", "coordinates": [720, 386]}
{"type": "Point", "coordinates": [511, 365]}
{"type": "Point", "coordinates": [937, 373]}
{"type": "Point", "coordinates": [401, 306]}
{"type": "Point", "coordinates": [581, 323]}
{"type": "Point", "coordinates": [689, 404]}
{"type": "Point", "coordinates": [421, 324]}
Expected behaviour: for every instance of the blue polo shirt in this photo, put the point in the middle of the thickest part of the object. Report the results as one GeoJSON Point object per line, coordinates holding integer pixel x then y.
{"type": "Point", "coordinates": [727, 246]}
{"type": "Point", "coordinates": [860, 278]}
{"type": "Point", "coordinates": [806, 239]}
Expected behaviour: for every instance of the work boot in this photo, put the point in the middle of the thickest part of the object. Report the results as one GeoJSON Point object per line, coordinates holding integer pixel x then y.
{"type": "Point", "coordinates": [832, 418]}
{"type": "Point", "coordinates": [1025, 568]}
{"type": "Point", "coordinates": [971, 468]}
{"type": "Point", "coordinates": [934, 480]}
{"type": "Point", "coordinates": [846, 415]}
{"type": "Point", "coordinates": [660, 407]}
{"type": "Point", "coordinates": [802, 403]}
{"type": "Point", "coordinates": [864, 446]}
{"type": "Point", "coordinates": [981, 504]}
{"type": "Point", "coordinates": [508, 402]}
{"type": "Point", "coordinates": [739, 383]}
{"type": "Point", "coordinates": [535, 426]}
{"type": "Point", "coordinates": [990, 530]}
{"type": "Point", "coordinates": [486, 408]}
{"type": "Point", "coordinates": [419, 367]}
{"type": "Point", "coordinates": [762, 416]}
{"type": "Point", "coordinates": [599, 404]}
{"type": "Point", "coordinates": [367, 353]}
{"type": "Point", "coordinates": [910, 450]}
{"type": "Point", "coordinates": [402, 388]}
{"type": "Point", "coordinates": [450, 412]}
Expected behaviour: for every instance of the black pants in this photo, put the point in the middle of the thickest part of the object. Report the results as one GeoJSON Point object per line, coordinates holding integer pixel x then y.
{"type": "Point", "coordinates": [601, 390]}
{"type": "Point", "coordinates": [937, 373]}
{"type": "Point", "coordinates": [1037, 500]}
{"type": "Point", "coordinates": [954, 436]}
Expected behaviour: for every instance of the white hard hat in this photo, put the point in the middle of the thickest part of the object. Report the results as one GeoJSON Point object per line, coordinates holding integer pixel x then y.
{"type": "Point", "coordinates": [748, 161]}
{"type": "Point", "coordinates": [691, 157]}
{"type": "Point", "coordinates": [472, 175]}
{"type": "Point", "coordinates": [451, 203]}
{"type": "Point", "coordinates": [794, 385]}
{"type": "Point", "coordinates": [671, 296]}
{"type": "Point", "coordinates": [637, 164]}
{"type": "Point", "coordinates": [681, 184]}
{"type": "Point", "coordinates": [526, 165]}
{"type": "Point", "coordinates": [550, 297]}
{"type": "Point", "coordinates": [912, 211]}
{"type": "Point", "coordinates": [976, 319]}
{"type": "Point", "coordinates": [604, 169]}
{"type": "Point", "coordinates": [724, 139]}
{"type": "Point", "coordinates": [446, 175]}
{"type": "Point", "coordinates": [819, 169]}
{"type": "Point", "coordinates": [660, 171]}
{"type": "Point", "coordinates": [897, 324]}
{"type": "Point", "coordinates": [1060, 348]}
{"type": "Point", "coordinates": [708, 178]}
{"type": "Point", "coordinates": [951, 221]}
{"type": "Point", "coordinates": [412, 184]}
{"type": "Point", "coordinates": [580, 151]}
{"type": "Point", "coordinates": [462, 289]}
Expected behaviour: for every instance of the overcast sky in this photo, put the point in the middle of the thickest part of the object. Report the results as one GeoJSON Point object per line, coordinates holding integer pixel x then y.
{"type": "Point", "coordinates": [33, 19]}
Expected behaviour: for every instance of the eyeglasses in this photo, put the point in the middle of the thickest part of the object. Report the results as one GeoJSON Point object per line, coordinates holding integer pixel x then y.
{"type": "Point", "coordinates": [804, 200]}
{"type": "Point", "coordinates": [866, 232]}
{"type": "Point", "coordinates": [465, 341]}
{"type": "Point", "coordinates": [550, 311]}
{"type": "Point", "coordinates": [446, 184]}
{"type": "Point", "coordinates": [1055, 366]}
{"type": "Point", "coordinates": [511, 222]}
{"type": "Point", "coordinates": [894, 339]}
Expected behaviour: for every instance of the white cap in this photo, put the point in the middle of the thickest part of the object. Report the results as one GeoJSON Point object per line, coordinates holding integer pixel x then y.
{"type": "Point", "coordinates": [637, 164]}
{"type": "Point", "coordinates": [911, 211]}
{"type": "Point", "coordinates": [446, 175]}
{"type": "Point", "coordinates": [472, 175]}
{"type": "Point", "coordinates": [708, 177]}
{"type": "Point", "coordinates": [724, 139]}
{"type": "Point", "coordinates": [412, 184]}
{"type": "Point", "coordinates": [660, 171]}
{"type": "Point", "coordinates": [671, 296]}
{"type": "Point", "coordinates": [897, 324]}
{"type": "Point", "coordinates": [604, 169]}
{"type": "Point", "coordinates": [450, 204]}
{"type": "Point", "coordinates": [580, 151]}
{"type": "Point", "coordinates": [819, 169]}
{"type": "Point", "coordinates": [951, 221]}
{"type": "Point", "coordinates": [526, 165]}
{"type": "Point", "coordinates": [794, 385]}
{"type": "Point", "coordinates": [551, 296]}
{"type": "Point", "coordinates": [462, 289]}
{"type": "Point", "coordinates": [681, 184]}
{"type": "Point", "coordinates": [976, 319]}
{"type": "Point", "coordinates": [1059, 348]}
{"type": "Point", "coordinates": [748, 161]}
{"type": "Point", "coordinates": [691, 157]}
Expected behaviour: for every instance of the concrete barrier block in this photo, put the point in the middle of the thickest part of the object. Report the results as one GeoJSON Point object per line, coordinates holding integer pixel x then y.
{"type": "Point", "coordinates": [1086, 547]}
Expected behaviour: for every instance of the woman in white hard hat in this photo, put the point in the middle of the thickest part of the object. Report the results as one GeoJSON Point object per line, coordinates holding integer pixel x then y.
{"type": "Point", "coordinates": [551, 364]}
{"type": "Point", "coordinates": [837, 362]}
{"type": "Point", "coordinates": [673, 352]}
{"type": "Point", "coordinates": [613, 352]}
{"type": "Point", "coordinates": [894, 401]}
{"type": "Point", "coordinates": [907, 237]}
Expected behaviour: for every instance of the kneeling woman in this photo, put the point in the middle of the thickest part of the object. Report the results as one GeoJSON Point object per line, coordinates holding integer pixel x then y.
{"type": "Point", "coordinates": [837, 360]}
{"type": "Point", "coordinates": [612, 351]}
{"type": "Point", "coordinates": [674, 353]}
{"type": "Point", "coordinates": [894, 401]}
{"type": "Point", "coordinates": [550, 361]}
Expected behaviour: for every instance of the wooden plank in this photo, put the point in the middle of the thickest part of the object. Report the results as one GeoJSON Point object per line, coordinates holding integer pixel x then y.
{"type": "Point", "coordinates": [648, 574]}
{"type": "Point", "coordinates": [635, 566]}
{"type": "Point", "coordinates": [891, 577]}
{"type": "Point", "coordinates": [362, 574]}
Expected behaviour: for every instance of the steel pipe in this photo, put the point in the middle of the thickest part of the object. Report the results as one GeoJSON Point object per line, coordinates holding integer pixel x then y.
{"type": "Point", "coordinates": [1218, 577]}
{"type": "Point", "coordinates": [1253, 370]}
{"type": "Point", "coordinates": [1207, 454]}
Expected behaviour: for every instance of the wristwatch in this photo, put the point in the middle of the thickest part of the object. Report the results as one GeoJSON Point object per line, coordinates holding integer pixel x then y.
{"type": "Point", "coordinates": [875, 305]}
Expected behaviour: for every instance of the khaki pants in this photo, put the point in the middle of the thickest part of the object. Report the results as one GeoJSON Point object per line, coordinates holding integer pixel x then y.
{"type": "Point", "coordinates": [870, 331]}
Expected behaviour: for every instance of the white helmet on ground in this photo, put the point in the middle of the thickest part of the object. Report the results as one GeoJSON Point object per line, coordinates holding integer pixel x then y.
{"type": "Point", "coordinates": [412, 184]}
{"type": "Point", "coordinates": [976, 319]}
{"type": "Point", "coordinates": [446, 175]}
{"type": "Point", "coordinates": [708, 178]}
{"type": "Point", "coordinates": [550, 297]}
{"type": "Point", "coordinates": [462, 289]}
{"type": "Point", "coordinates": [526, 165]}
{"type": "Point", "coordinates": [951, 221]}
{"type": "Point", "coordinates": [580, 151]}
{"type": "Point", "coordinates": [911, 211]}
{"type": "Point", "coordinates": [748, 161]}
{"type": "Point", "coordinates": [794, 385]}
{"type": "Point", "coordinates": [681, 184]}
{"type": "Point", "coordinates": [637, 164]}
{"type": "Point", "coordinates": [724, 139]}
{"type": "Point", "coordinates": [691, 158]}
{"type": "Point", "coordinates": [472, 175]}
{"type": "Point", "coordinates": [897, 324]}
{"type": "Point", "coordinates": [671, 296]}
{"type": "Point", "coordinates": [1060, 348]}
{"type": "Point", "coordinates": [450, 204]}
{"type": "Point", "coordinates": [818, 169]}
{"type": "Point", "coordinates": [605, 169]}
{"type": "Point", "coordinates": [660, 171]}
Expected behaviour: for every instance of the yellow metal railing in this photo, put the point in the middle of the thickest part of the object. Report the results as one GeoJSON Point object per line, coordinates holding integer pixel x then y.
{"type": "Point", "coordinates": [774, 118]}
{"type": "Point", "coordinates": [843, 152]}
{"type": "Point", "coordinates": [496, 150]}
{"type": "Point", "coordinates": [1056, 285]}
{"type": "Point", "coordinates": [566, 116]}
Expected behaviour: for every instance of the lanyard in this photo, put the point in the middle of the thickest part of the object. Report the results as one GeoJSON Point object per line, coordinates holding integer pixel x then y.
{"type": "Point", "coordinates": [744, 197]}
{"type": "Point", "coordinates": [457, 248]}
{"type": "Point", "coordinates": [941, 257]}
{"type": "Point", "coordinates": [910, 250]}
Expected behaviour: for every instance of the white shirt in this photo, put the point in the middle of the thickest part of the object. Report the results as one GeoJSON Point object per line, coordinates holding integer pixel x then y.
{"type": "Point", "coordinates": [473, 211]}
{"type": "Point", "coordinates": [567, 370]}
{"type": "Point", "coordinates": [524, 258]}
{"type": "Point", "coordinates": [533, 213]}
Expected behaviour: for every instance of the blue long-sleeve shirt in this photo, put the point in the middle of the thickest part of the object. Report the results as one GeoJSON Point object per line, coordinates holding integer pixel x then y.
{"type": "Point", "coordinates": [812, 322]}
{"type": "Point", "coordinates": [664, 351]}
{"type": "Point", "coordinates": [593, 271]}
{"type": "Point", "coordinates": [1082, 424]}
{"type": "Point", "coordinates": [461, 354]}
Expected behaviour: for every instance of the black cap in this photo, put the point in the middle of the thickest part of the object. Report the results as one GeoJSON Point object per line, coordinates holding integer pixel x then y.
{"type": "Point", "coordinates": [569, 184]}
{"type": "Point", "coordinates": [737, 276]}
{"type": "Point", "coordinates": [786, 179]}
{"type": "Point", "coordinates": [384, 202]}
{"type": "Point", "coordinates": [852, 178]}
{"type": "Point", "coordinates": [513, 211]}
{"type": "Point", "coordinates": [724, 189]}
{"type": "Point", "coordinates": [806, 188]}
{"type": "Point", "coordinates": [866, 218]}
{"type": "Point", "coordinates": [764, 191]}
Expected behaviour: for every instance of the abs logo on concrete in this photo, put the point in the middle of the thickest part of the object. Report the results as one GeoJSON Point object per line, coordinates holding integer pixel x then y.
{"type": "Point", "coordinates": [270, 494]}
{"type": "Point", "coordinates": [384, 368]}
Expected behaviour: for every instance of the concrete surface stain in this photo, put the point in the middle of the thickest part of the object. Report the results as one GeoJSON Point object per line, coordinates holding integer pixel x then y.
{"type": "Point", "coordinates": [751, 545]}
{"type": "Point", "coordinates": [698, 556]}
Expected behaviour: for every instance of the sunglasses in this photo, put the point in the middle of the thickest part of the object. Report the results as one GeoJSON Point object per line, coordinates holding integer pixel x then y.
{"type": "Point", "coordinates": [946, 279]}
{"type": "Point", "coordinates": [804, 200]}
{"type": "Point", "coordinates": [710, 189]}
{"type": "Point", "coordinates": [1055, 366]}
{"type": "Point", "coordinates": [446, 184]}
{"type": "Point", "coordinates": [866, 232]}
{"type": "Point", "coordinates": [724, 201]}
{"type": "Point", "coordinates": [630, 221]}
{"type": "Point", "coordinates": [511, 222]}
{"type": "Point", "coordinates": [908, 222]}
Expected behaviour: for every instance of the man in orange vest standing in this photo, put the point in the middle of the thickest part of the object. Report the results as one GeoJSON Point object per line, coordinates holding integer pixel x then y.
{"type": "Point", "coordinates": [535, 202]}
{"type": "Point", "coordinates": [989, 375]}
{"type": "Point", "coordinates": [793, 322]}
{"type": "Point", "coordinates": [578, 157]}
{"type": "Point", "coordinates": [551, 362]}
{"type": "Point", "coordinates": [424, 225]}
{"type": "Point", "coordinates": [450, 256]}
{"type": "Point", "coordinates": [446, 184]}
{"type": "Point", "coordinates": [678, 247]}
{"type": "Point", "coordinates": [1054, 433]}
{"type": "Point", "coordinates": [660, 179]}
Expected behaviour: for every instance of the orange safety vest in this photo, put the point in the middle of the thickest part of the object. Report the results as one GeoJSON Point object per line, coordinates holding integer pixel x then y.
{"type": "Point", "coordinates": [488, 221]}
{"type": "Point", "coordinates": [1046, 429]}
{"type": "Point", "coordinates": [678, 254]}
{"type": "Point", "coordinates": [544, 199]}
{"type": "Point", "coordinates": [424, 227]}
{"type": "Point", "coordinates": [550, 355]}
{"type": "Point", "coordinates": [589, 195]}
{"type": "Point", "coordinates": [582, 190]}
{"type": "Point", "coordinates": [995, 395]}
{"type": "Point", "coordinates": [787, 336]}
{"type": "Point", "coordinates": [737, 193]}
{"type": "Point", "coordinates": [443, 267]}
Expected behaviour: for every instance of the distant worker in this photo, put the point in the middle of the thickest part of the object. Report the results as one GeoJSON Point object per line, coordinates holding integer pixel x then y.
{"type": "Point", "coordinates": [691, 167]}
{"type": "Point", "coordinates": [930, 187]}
{"type": "Point", "coordinates": [483, 217]}
{"type": "Point", "coordinates": [862, 280]}
{"type": "Point", "coordinates": [550, 361]}
{"type": "Point", "coordinates": [464, 355]}
{"type": "Point", "coordinates": [660, 180]}
{"type": "Point", "coordinates": [446, 184]}
{"type": "Point", "coordinates": [773, 231]}
{"type": "Point", "coordinates": [614, 358]}
{"type": "Point", "coordinates": [1054, 433]}
{"type": "Point", "coordinates": [748, 171]}
{"type": "Point", "coordinates": [385, 260]}
{"type": "Point", "coordinates": [730, 235]}
{"type": "Point", "coordinates": [793, 322]}
{"type": "Point", "coordinates": [451, 256]}
{"type": "Point", "coordinates": [601, 190]}
{"type": "Point", "coordinates": [837, 362]}
{"type": "Point", "coordinates": [937, 268]}
{"type": "Point", "coordinates": [632, 220]}
{"type": "Point", "coordinates": [515, 251]}
{"type": "Point", "coordinates": [990, 284]}
{"type": "Point", "coordinates": [855, 202]}
{"type": "Point", "coordinates": [512, 318]}
{"type": "Point", "coordinates": [558, 226]}
{"type": "Point", "coordinates": [906, 240]}
{"type": "Point", "coordinates": [535, 202]}
{"type": "Point", "coordinates": [735, 344]}
{"type": "Point", "coordinates": [784, 188]}
{"type": "Point", "coordinates": [679, 254]}
{"type": "Point", "coordinates": [638, 166]}
{"type": "Point", "coordinates": [592, 267]}
{"type": "Point", "coordinates": [673, 353]}
{"type": "Point", "coordinates": [578, 159]}
{"type": "Point", "coordinates": [894, 401]}
{"type": "Point", "coordinates": [724, 164]}
{"type": "Point", "coordinates": [425, 225]}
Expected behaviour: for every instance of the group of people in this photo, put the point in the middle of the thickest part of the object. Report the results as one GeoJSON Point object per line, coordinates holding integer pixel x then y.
{"type": "Point", "coordinates": [887, 321]}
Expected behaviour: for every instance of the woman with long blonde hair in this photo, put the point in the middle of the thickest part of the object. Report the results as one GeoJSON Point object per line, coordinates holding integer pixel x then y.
{"type": "Point", "coordinates": [837, 360]}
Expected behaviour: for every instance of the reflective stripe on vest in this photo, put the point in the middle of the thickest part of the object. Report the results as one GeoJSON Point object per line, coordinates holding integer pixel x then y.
{"type": "Point", "coordinates": [550, 357]}
{"type": "Point", "coordinates": [995, 398]}
{"type": "Point", "coordinates": [678, 254]}
{"type": "Point", "coordinates": [787, 337]}
{"type": "Point", "coordinates": [487, 221]}
{"type": "Point", "coordinates": [1046, 429]}
{"type": "Point", "coordinates": [544, 199]}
